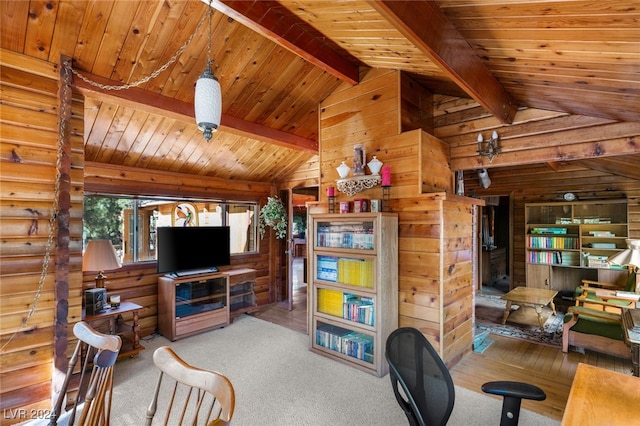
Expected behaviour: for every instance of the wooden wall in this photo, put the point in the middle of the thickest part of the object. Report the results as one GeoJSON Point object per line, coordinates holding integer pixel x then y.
{"type": "Point", "coordinates": [458, 119]}
{"type": "Point", "coordinates": [29, 147]}
{"type": "Point", "coordinates": [435, 237]}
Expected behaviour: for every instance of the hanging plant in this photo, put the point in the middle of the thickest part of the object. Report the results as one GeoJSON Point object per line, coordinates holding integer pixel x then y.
{"type": "Point", "coordinates": [274, 215]}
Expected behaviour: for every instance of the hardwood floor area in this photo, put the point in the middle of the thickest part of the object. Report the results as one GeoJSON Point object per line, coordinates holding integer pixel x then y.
{"type": "Point", "coordinates": [505, 359]}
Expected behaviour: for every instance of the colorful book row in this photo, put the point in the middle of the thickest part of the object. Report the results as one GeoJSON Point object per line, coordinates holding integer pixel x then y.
{"type": "Point", "coordinates": [557, 231]}
{"type": "Point", "coordinates": [356, 272]}
{"type": "Point", "coordinates": [553, 242]}
{"type": "Point", "coordinates": [566, 258]}
{"type": "Point", "coordinates": [358, 309]}
{"type": "Point", "coordinates": [348, 342]}
{"type": "Point", "coordinates": [361, 240]}
{"type": "Point", "coordinates": [348, 306]}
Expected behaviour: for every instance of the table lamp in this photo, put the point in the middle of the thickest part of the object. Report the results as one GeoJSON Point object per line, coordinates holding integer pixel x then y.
{"type": "Point", "coordinates": [100, 256]}
{"type": "Point", "coordinates": [629, 257]}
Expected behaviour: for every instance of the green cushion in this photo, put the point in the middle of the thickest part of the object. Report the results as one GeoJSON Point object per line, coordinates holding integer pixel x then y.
{"type": "Point", "coordinates": [597, 326]}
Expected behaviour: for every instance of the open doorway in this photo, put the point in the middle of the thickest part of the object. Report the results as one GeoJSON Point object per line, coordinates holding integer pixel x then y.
{"type": "Point", "coordinates": [496, 234]}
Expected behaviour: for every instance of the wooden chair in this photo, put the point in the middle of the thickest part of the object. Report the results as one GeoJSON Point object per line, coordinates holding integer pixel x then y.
{"type": "Point", "coordinates": [207, 397]}
{"type": "Point", "coordinates": [603, 296]}
{"type": "Point", "coordinates": [98, 353]}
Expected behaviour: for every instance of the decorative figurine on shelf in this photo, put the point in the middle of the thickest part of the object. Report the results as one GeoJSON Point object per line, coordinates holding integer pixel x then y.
{"type": "Point", "coordinates": [359, 160]}
{"type": "Point", "coordinates": [374, 166]}
{"type": "Point", "coordinates": [343, 170]}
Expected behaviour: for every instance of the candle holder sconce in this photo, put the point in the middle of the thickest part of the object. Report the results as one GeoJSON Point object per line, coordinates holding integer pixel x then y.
{"type": "Point", "coordinates": [386, 198]}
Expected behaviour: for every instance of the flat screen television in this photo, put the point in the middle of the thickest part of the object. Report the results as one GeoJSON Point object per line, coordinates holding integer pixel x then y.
{"type": "Point", "coordinates": [193, 249]}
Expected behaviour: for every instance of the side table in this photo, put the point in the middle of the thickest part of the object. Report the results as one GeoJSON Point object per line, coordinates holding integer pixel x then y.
{"type": "Point", "coordinates": [631, 326]}
{"type": "Point", "coordinates": [116, 325]}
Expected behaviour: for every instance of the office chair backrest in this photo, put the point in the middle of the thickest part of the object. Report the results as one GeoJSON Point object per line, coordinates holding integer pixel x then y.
{"type": "Point", "coordinates": [98, 353]}
{"type": "Point", "coordinates": [428, 393]}
{"type": "Point", "coordinates": [198, 396]}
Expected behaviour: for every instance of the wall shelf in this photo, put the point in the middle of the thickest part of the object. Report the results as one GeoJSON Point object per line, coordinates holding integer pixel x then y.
{"type": "Point", "coordinates": [352, 185]}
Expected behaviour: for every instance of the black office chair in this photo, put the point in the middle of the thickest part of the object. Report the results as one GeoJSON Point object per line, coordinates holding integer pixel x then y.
{"type": "Point", "coordinates": [424, 389]}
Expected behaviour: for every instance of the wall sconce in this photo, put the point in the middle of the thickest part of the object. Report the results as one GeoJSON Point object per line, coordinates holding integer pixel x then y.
{"type": "Point", "coordinates": [491, 148]}
{"type": "Point", "coordinates": [485, 180]}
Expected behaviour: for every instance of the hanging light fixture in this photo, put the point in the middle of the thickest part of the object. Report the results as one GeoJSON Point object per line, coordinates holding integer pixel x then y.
{"type": "Point", "coordinates": [208, 97]}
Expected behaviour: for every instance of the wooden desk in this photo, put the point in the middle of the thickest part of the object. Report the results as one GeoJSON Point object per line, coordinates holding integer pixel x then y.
{"type": "Point", "coordinates": [602, 397]}
{"type": "Point", "coordinates": [116, 325]}
{"type": "Point", "coordinates": [536, 297]}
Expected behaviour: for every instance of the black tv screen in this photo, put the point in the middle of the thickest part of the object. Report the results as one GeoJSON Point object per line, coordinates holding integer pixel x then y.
{"type": "Point", "coordinates": [195, 249]}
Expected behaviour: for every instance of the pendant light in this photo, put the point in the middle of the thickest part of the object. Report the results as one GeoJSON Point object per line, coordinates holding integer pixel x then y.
{"type": "Point", "coordinates": [208, 97]}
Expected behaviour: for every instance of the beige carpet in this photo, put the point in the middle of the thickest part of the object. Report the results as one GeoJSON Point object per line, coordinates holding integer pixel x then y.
{"type": "Point", "coordinates": [278, 381]}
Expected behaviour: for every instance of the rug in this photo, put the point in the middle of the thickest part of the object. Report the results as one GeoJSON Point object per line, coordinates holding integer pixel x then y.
{"type": "Point", "coordinates": [521, 324]}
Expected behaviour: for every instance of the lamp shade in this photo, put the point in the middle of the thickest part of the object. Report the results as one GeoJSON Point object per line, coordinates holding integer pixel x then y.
{"type": "Point", "coordinates": [99, 256]}
{"type": "Point", "coordinates": [208, 103]}
{"type": "Point", "coordinates": [628, 257]}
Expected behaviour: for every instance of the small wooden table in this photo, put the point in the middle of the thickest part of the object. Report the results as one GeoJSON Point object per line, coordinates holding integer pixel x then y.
{"type": "Point", "coordinates": [117, 325]}
{"type": "Point", "coordinates": [602, 397]}
{"type": "Point", "coordinates": [536, 297]}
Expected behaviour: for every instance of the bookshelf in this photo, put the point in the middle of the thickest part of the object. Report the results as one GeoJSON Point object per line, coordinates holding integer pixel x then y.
{"type": "Point", "coordinates": [578, 236]}
{"type": "Point", "coordinates": [353, 264]}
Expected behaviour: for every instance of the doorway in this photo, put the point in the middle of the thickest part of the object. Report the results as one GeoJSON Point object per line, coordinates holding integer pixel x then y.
{"type": "Point", "coordinates": [496, 236]}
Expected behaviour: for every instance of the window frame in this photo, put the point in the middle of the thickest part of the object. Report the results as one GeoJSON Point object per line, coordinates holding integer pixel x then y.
{"type": "Point", "coordinates": [252, 236]}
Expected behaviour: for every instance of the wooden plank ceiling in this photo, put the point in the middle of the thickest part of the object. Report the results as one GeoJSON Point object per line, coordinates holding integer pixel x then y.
{"type": "Point", "coordinates": [277, 60]}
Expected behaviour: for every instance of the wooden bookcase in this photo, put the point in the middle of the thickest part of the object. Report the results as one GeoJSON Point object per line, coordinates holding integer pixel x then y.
{"type": "Point", "coordinates": [353, 293]}
{"type": "Point", "coordinates": [568, 242]}
{"type": "Point", "coordinates": [192, 304]}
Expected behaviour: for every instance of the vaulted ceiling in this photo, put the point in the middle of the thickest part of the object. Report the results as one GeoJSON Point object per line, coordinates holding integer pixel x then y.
{"type": "Point", "coordinates": [276, 61]}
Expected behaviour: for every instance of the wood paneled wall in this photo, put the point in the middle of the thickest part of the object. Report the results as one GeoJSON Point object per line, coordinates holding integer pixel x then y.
{"type": "Point", "coordinates": [435, 237]}
{"type": "Point", "coordinates": [459, 119]}
{"type": "Point", "coordinates": [29, 147]}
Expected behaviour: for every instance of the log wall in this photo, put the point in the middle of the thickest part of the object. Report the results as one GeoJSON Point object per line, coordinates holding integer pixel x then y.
{"type": "Point", "coordinates": [29, 153]}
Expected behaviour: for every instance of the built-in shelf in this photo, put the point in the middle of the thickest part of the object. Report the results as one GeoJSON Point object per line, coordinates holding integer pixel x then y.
{"type": "Point", "coordinates": [353, 185]}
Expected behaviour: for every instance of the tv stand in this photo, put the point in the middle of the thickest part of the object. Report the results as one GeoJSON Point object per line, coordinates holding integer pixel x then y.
{"type": "Point", "coordinates": [192, 304]}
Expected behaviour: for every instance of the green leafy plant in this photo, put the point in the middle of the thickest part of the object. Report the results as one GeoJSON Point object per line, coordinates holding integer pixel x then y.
{"type": "Point", "coordinates": [274, 215]}
{"type": "Point", "coordinates": [300, 220]}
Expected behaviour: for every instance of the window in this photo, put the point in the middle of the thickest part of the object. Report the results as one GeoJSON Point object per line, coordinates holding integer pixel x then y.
{"type": "Point", "coordinates": [131, 223]}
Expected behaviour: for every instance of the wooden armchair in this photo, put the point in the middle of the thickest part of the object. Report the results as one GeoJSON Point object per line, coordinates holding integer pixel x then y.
{"type": "Point", "coordinates": [591, 325]}
{"type": "Point", "coordinates": [605, 297]}
{"type": "Point", "coordinates": [97, 353]}
{"type": "Point", "coordinates": [198, 396]}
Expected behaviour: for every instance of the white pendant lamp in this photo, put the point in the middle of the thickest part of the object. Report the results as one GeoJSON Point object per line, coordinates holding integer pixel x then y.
{"type": "Point", "coordinates": [208, 97]}
{"type": "Point", "coordinates": [208, 103]}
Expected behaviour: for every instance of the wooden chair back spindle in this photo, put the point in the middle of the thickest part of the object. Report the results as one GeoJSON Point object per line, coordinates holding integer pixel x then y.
{"type": "Point", "coordinates": [197, 396]}
{"type": "Point", "coordinates": [100, 354]}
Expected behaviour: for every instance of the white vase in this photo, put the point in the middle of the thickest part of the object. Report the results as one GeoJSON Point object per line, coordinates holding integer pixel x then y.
{"type": "Point", "coordinates": [374, 166]}
{"type": "Point", "coordinates": [343, 170]}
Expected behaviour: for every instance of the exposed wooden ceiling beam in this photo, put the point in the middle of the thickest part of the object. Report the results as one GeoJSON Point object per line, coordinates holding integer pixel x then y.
{"type": "Point", "coordinates": [287, 30]}
{"type": "Point", "coordinates": [618, 166]}
{"type": "Point", "coordinates": [157, 104]}
{"type": "Point", "coordinates": [427, 27]}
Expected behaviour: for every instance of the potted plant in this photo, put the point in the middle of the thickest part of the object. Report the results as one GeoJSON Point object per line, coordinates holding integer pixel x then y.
{"type": "Point", "coordinates": [300, 220]}
{"type": "Point", "coordinates": [273, 214]}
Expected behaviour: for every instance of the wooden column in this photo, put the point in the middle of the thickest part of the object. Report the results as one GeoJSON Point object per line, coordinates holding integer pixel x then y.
{"type": "Point", "coordinates": [63, 187]}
